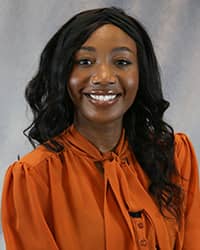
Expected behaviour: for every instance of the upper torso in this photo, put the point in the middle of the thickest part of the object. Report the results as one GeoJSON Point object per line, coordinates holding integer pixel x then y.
{"type": "Point", "coordinates": [82, 199]}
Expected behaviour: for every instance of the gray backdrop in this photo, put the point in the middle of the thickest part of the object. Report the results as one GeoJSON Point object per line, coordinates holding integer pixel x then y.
{"type": "Point", "coordinates": [26, 26]}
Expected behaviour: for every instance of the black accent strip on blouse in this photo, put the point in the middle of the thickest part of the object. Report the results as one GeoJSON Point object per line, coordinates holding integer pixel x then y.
{"type": "Point", "coordinates": [137, 214]}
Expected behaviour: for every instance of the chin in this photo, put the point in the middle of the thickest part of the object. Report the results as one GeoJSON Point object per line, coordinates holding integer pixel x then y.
{"type": "Point", "coordinates": [105, 120]}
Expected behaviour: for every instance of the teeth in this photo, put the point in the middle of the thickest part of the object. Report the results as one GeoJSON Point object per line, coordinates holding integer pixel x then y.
{"type": "Point", "coordinates": [103, 97]}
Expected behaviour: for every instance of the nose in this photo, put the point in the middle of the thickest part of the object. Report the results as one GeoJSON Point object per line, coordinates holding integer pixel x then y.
{"type": "Point", "coordinates": [104, 74]}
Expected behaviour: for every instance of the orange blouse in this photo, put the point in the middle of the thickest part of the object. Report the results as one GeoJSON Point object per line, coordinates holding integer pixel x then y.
{"type": "Point", "coordinates": [81, 199]}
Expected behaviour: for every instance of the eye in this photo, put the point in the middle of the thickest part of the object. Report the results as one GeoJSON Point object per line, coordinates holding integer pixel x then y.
{"type": "Point", "coordinates": [122, 62]}
{"type": "Point", "coordinates": [84, 62]}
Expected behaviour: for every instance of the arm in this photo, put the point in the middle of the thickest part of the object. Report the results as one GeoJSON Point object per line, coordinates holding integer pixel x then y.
{"type": "Point", "coordinates": [187, 163]}
{"type": "Point", "coordinates": [25, 210]}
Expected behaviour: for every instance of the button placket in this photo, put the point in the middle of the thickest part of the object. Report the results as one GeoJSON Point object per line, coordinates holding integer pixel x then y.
{"type": "Point", "coordinates": [140, 225]}
{"type": "Point", "coordinates": [139, 228]}
{"type": "Point", "coordinates": [143, 242]}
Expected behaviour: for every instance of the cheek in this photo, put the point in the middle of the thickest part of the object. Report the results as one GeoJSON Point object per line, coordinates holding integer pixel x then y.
{"type": "Point", "coordinates": [78, 80]}
{"type": "Point", "coordinates": [73, 81]}
{"type": "Point", "coordinates": [132, 85]}
{"type": "Point", "coordinates": [73, 87]}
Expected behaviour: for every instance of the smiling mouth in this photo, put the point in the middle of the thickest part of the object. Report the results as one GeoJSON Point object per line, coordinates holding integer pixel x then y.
{"type": "Point", "coordinates": [101, 99]}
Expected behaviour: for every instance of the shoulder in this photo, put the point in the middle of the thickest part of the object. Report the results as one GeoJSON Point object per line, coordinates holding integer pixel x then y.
{"type": "Point", "coordinates": [27, 178]}
{"type": "Point", "coordinates": [183, 145]}
{"type": "Point", "coordinates": [37, 156]}
{"type": "Point", "coordinates": [33, 159]}
{"type": "Point", "coordinates": [182, 142]}
{"type": "Point", "coordinates": [32, 166]}
{"type": "Point", "coordinates": [184, 155]}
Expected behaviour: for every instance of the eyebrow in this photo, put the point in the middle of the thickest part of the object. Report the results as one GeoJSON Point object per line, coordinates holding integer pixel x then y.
{"type": "Point", "coordinates": [118, 49]}
{"type": "Point", "coordinates": [88, 48]}
{"type": "Point", "coordinates": [126, 49]}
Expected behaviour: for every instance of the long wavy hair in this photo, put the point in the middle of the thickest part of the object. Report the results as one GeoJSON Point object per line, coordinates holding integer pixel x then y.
{"type": "Point", "coordinates": [151, 139]}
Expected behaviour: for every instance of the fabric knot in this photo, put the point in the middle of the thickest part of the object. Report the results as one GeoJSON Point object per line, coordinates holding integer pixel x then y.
{"type": "Point", "coordinates": [111, 156]}
{"type": "Point", "coordinates": [114, 160]}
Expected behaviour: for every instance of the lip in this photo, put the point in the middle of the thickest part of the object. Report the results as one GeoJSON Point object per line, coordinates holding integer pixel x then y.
{"type": "Point", "coordinates": [102, 103]}
{"type": "Point", "coordinates": [102, 92]}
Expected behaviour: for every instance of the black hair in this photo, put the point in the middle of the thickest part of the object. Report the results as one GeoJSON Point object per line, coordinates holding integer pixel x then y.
{"type": "Point", "coordinates": [151, 139]}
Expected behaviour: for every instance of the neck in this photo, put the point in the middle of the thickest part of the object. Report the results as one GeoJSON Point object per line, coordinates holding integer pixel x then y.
{"type": "Point", "coordinates": [104, 136]}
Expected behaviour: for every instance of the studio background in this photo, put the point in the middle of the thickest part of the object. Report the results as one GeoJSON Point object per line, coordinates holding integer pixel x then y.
{"type": "Point", "coordinates": [26, 26]}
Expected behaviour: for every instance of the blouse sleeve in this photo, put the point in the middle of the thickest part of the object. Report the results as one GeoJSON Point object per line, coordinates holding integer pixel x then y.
{"type": "Point", "coordinates": [186, 162]}
{"type": "Point", "coordinates": [24, 211]}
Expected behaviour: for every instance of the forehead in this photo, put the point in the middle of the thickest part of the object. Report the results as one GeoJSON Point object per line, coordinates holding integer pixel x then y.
{"type": "Point", "coordinates": [108, 36]}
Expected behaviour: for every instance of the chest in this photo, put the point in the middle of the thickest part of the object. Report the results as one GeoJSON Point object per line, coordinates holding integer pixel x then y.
{"type": "Point", "coordinates": [98, 211]}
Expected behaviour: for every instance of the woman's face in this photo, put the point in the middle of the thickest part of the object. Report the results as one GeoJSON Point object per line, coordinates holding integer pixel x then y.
{"type": "Point", "coordinates": [104, 80]}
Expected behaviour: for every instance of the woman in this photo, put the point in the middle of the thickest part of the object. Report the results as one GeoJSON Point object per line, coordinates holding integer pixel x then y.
{"type": "Point", "coordinates": [109, 173]}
